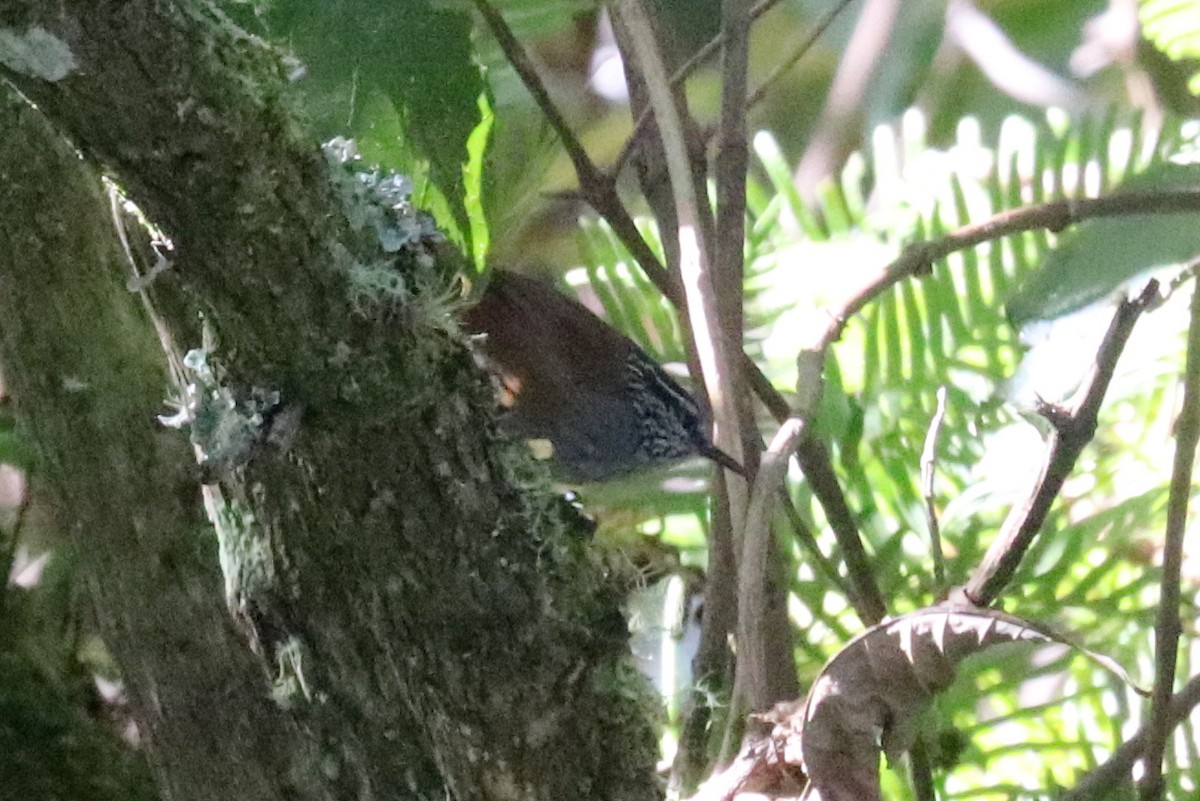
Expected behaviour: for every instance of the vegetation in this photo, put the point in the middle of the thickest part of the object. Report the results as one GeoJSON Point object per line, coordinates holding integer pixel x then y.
{"type": "Point", "coordinates": [931, 268]}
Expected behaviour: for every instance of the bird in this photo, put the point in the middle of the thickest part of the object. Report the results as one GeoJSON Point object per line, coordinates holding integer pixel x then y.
{"type": "Point", "coordinates": [607, 407]}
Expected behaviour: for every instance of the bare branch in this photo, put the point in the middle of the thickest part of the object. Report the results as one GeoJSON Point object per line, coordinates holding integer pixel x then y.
{"type": "Point", "coordinates": [1073, 429]}
{"type": "Point", "coordinates": [801, 50]}
{"type": "Point", "coordinates": [694, 258]}
{"type": "Point", "coordinates": [597, 188]}
{"type": "Point", "coordinates": [680, 75]}
{"type": "Point", "coordinates": [765, 670]}
{"type": "Point", "coordinates": [867, 600]}
{"type": "Point", "coordinates": [599, 191]}
{"type": "Point", "coordinates": [1167, 629]}
{"type": "Point", "coordinates": [758, 553]}
{"type": "Point", "coordinates": [918, 258]}
{"type": "Point", "coordinates": [815, 462]}
{"type": "Point", "coordinates": [808, 543]}
{"type": "Point", "coordinates": [1116, 771]}
{"type": "Point", "coordinates": [838, 125]}
{"type": "Point", "coordinates": [732, 157]}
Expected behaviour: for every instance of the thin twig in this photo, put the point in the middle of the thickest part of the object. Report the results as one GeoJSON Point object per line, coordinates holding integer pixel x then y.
{"type": "Point", "coordinates": [817, 465]}
{"type": "Point", "coordinates": [705, 52]}
{"type": "Point", "coordinates": [1073, 429]}
{"type": "Point", "coordinates": [597, 188]}
{"type": "Point", "coordinates": [801, 50]}
{"type": "Point", "coordinates": [928, 465]}
{"type": "Point", "coordinates": [919, 257]}
{"type": "Point", "coordinates": [917, 260]}
{"type": "Point", "coordinates": [678, 77]}
{"type": "Point", "coordinates": [141, 284]}
{"type": "Point", "coordinates": [837, 127]}
{"type": "Point", "coordinates": [808, 544]}
{"type": "Point", "coordinates": [1114, 773]}
{"type": "Point", "coordinates": [1167, 629]}
{"type": "Point", "coordinates": [867, 599]}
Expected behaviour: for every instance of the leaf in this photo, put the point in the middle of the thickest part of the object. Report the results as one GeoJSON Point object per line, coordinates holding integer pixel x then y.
{"type": "Point", "coordinates": [1101, 254]}
{"type": "Point", "coordinates": [398, 77]}
{"type": "Point", "coordinates": [870, 696]}
{"type": "Point", "coordinates": [1174, 28]}
{"type": "Point", "coordinates": [473, 183]}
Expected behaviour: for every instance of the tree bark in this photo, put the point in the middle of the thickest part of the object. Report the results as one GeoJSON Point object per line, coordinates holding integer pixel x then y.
{"type": "Point", "coordinates": [82, 364]}
{"type": "Point", "coordinates": [405, 579]}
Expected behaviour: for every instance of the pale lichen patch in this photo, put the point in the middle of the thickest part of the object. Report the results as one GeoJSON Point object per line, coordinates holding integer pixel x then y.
{"type": "Point", "coordinates": [37, 53]}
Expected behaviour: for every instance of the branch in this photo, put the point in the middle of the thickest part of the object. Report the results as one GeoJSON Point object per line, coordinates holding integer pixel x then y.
{"type": "Point", "coordinates": [918, 258]}
{"type": "Point", "coordinates": [122, 486]}
{"type": "Point", "coordinates": [838, 122]}
{"type": "Point", "coordinates": [694, 259]}
{"type": "Point", "coordinates": [815, 462]}
{"type": "Point", "coordinates": [330, 552]}
{"type": "Point", "coordinates": [680, 75]}
{"type": "Point", "coordinates": [765, 666]}
{"type": "Point", "coordinates": [1167, 630]}
{"type": "Point", "coordinates": [759, 553]}
{"type": "Point", "coordinates": [1099, 783]}
{"type": "Point", "coordinates": [731, 163]}
{"type": "Point", "coordinates": [782, 67]}
{"type": "Point", "coordinates": [808, 543]}
{"type": "Point", "coordinates": [1073, 429]}
{"type": "Point", "coordinates": [597, 188]}
{"type": "Point", "coordinates": [817, 465]}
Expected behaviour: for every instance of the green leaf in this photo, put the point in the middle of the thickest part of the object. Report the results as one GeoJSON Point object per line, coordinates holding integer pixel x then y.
{"type": "Point", "coordinates": [1097, 257]}
{"type": "Point", "coordinates": [473, 183]}
{"type": "Point", "coordinates": [398, 77]}
{"type": "Point", "coordinates": [1174, 28]}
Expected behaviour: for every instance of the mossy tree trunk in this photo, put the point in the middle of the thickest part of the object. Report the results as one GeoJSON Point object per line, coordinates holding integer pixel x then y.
{"type": "Point", "coordinates": [397, 577]}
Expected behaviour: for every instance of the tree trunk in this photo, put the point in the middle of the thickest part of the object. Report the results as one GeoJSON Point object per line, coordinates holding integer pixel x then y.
{"type": "Point", "coordinates": [426, 626]}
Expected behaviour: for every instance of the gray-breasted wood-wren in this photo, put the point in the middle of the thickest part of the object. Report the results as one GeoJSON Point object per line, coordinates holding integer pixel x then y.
{"type": "Point", "coordinates": [605, 405]}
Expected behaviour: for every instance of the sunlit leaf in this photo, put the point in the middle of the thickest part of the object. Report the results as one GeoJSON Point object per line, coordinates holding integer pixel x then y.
{"type": "Point", "coordinates": [398, 77]}
{"type": "Point", "coordinates": [1174, 28]}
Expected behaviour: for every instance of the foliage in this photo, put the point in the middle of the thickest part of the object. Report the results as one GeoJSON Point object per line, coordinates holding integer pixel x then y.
{"type": "Point", "coordinates": [934, 150]}
{"type": "Point", "coordinates": [951, 330]}
{"type": "Point", "coordinates": [368, 71]}
{"type": "Point", "coordinates": [1175, 29]}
